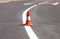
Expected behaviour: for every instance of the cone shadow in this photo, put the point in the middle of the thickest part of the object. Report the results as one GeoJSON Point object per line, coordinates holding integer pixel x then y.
{"type": "Point", "coordinates": [21, 24]}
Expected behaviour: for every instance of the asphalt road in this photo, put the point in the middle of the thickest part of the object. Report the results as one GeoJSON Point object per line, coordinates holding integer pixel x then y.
{"type": "Point", "coordinates": [46, 21]}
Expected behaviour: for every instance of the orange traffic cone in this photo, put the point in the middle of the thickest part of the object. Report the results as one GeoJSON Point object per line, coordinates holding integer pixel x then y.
{"type": "Point", "coordinates": [28, 21]}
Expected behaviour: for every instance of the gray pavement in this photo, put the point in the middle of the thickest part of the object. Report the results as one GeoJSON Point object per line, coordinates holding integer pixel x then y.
{"type": "Point", "coordinates": [11, 26]}
{"type": "Point", "coordinates": [46, 21]}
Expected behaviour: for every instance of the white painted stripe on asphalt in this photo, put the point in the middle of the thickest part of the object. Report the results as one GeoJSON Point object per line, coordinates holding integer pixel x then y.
{"type": "Point", "coordinates": [55, 3]}
{"type": "Point", "coordinates": [27, 3]}
{"type": "Point", "coordinates": [29, 30]}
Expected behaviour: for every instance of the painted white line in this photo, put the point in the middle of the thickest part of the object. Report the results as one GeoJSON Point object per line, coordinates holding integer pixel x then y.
{"type": "Point", "coordinates": [27, 3]}
{"type": "Point", "coordinates": [55, 3]}
{"type": "Point", "coordinates": [29, 30]}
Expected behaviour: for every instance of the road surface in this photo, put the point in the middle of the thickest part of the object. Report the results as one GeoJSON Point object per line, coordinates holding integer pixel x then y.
{"type": "Point", "coordinates": [46, 21]}
{"type": "Point", "coordinates": [11, 26]}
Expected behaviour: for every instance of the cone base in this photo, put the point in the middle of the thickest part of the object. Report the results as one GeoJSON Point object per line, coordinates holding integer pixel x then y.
{"type": "Point", "coordinates": [28, 24]}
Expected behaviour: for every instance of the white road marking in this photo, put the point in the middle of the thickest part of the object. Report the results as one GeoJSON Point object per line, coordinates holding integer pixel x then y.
{"type": "Point", "coordinates": [55, 3]}
{"type": "Point", "coordinates": [27, 3]}
{"type": "Point", "coordinates": [29, 30]}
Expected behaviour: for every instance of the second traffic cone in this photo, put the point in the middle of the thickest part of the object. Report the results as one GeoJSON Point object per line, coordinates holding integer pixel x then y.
{"type": "Point", "coordinates": [28, 21]}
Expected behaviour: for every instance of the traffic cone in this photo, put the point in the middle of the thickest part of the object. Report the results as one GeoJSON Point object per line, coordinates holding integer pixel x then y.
{"type": "Point", "coordinates": [28, 21]}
